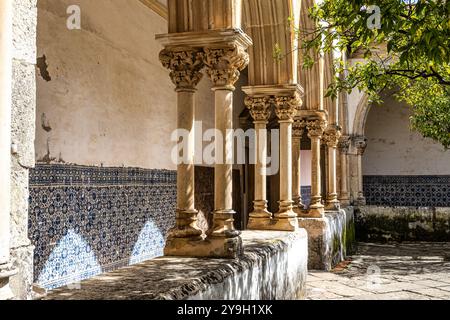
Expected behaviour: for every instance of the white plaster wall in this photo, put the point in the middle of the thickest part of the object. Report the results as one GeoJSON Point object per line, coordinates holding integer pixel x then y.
{"type": "Point", "coordinates": [305, 163]}
{"type": "Point", "coordinates": [109, 102]}
{"type": "Point", "coordinates": [394, 150]}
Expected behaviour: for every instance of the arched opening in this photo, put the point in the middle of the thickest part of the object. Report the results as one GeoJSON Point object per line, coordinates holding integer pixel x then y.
{"type": "Point", "coordinates": [400, 167]}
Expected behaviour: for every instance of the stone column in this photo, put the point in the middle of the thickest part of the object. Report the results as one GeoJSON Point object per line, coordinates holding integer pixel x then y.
{"type": "Point", "coordinates": [315, 132]}
{"type": "Point", "coordinates": [185, 66]}
{"type": "Point", "coordinates": [331, 138]}
{"type": "Point", "coordinates": [259, 108]}
{"type": "Point", "coordinates": [344, 145]}
{"type": "Point", "coordinates": [286, 107]}
{"type": "Point", "coordinates": [361, 144]}
{"type": "Point", "coordinates": [6, 271]}
{"type": "Point", "coordinates": [224, 63]}
{"type": "Point", "coordinates": [297, 134]}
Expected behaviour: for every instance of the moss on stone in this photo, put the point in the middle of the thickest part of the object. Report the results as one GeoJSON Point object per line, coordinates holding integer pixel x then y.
{"type": "Point", "coordinates": [382, 224]}
{"type": "Point", "coordinates": [349, 237]}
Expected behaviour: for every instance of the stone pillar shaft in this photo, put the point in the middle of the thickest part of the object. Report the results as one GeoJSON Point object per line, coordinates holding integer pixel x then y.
{"type": "Point", "coordinates": [6, 42]}
{"type": "Point", "coordinates": [185, 177]}
{"type": "Point", "coordinates": [186, 213]}
{"type": "Point", "coordinates": [332, 186]}
{"type": "Point", "coordinates": [344, 196]}
{"type": "Point", "coordinates": [331, 138]}
{"type": "Point", "coordinates": [259, 108]}
{"type": "Point", "coordinates": [315, 132]}
{"type": "Point", "coordinates": [185, 65]}
{"type": "Point", "coordinates": [223, 53]}
{"type": "Point", "coordinates": [224, 63]}
{"type": "Point", "coordinates": [315, 171]}
{"type": "Point", "coordinates": [286, 109]}
{"type": "Point", "coordinates": [298, 130]}
{"type": "Point", "coordinates": [260, 166]}
{"type": "Point", "coordinates": [285, 168]}
{"type": "Point", "coordinates": [361, 144]}
{"type": "Point", "coordinates": [223, 169]}
{"type": "Point", "coordinates": [296, 165]}
{"type": "Point", "coordinates": [5, 126]}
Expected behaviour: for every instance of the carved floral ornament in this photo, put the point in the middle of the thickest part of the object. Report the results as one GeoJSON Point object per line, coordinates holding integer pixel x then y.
{"type": "Point", "coordinates": [225, 63]}
{"type": "Point", "coordinates": [344, 144]}
{"type": "Point", "coordinates": [360, 144]}
{"type": "Point", "coordinates": [259, 107]}
{"type": "Point", "coordinates": [331, 137]}
{"type": "Point", "coordinates": [316, 128]}
{"type": "Point", "coordinates": [185, 66]}
{"type": "Point", "coordinates": [286, 107]}
{"type": "Point", "coordinates": [298, 128]}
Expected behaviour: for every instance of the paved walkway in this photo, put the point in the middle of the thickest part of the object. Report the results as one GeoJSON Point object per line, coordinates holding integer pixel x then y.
{"type": "Point", "coordinates": [387, 272]}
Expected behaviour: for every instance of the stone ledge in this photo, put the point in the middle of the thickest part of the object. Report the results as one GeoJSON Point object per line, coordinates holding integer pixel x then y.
{"type": "Point", "coordinates": [330, 238]}
{"type": "Point", "coordinates": [274, 266]}
{"type": "Point", "coordinates": [398, 224]}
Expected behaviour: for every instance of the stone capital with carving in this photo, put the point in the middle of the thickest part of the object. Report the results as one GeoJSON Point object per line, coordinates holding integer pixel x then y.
{"type": "Point", "coordinates": [344, 144]}
{"type": "Point", "coordinates": [316, 128]}
{"type": "Point", "coordinates": [259, 108]}
{"type": "Point", "coordinates": [360, 144]}
{"type": "Point", "coordinates": [298, 128]}
{"type": "Point", "coordinates": [286, 106]}
{"type": "Point", "coordinates": [185, 66]}
{"type": "Point", "coordinates": [223, 64]}
{"type": "Point", "coordinates": [331, 136]}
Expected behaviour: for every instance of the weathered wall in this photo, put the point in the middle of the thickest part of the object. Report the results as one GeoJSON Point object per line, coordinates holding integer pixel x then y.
{"type": "Point", "coordinates": [106, 98]}
{"type": "Point", "coordinates": [330, 239]}
{"type": "Point", "coordinates": [106, 109]}
{"type": "Point", "coordinates": [394, 150]}
{"type": "Point", "coordinates": [23, 115]}
{"type": "Point", "coordinates": [400, 167]}
{"type": "Point", "coordinates": [273, 267]}
{"type": "Point", "coordinates": [384, 224]}
{"type": "Point", "coordinates": [88, 220]}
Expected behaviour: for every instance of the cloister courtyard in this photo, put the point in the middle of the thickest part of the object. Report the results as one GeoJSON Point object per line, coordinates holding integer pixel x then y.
{"type": "Point", "coordinates": [224, 150]}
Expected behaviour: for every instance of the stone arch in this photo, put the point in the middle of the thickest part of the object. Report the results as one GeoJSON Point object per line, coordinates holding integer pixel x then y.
{"type": "Point", "coordinates": [267, 23]}
{"type": "Point", "coordinates": [360, 119]}
{"type": "Point", "coordinates": [310, 79]}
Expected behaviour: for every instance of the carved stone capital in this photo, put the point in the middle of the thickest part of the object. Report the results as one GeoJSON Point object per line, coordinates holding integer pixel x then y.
{"type": "Point", "coordinates": [316, 128]}
{"type": "Point", "coordinates": [185, 66]}
{"type": "Point", "coordinates": [298, 129]}
{"type": "Point", "coordinates": [259, 107]}
{"type": "Point", "coordinates": [360, 144]}
{"type": "Point", "coordinates": [286, 106]}
{"type": "Point", "coordinates": [344, 144]}
{"type": "Point", "coordinates": [331, 136]}
{"type": "Point", "coordinates": [223, 64]}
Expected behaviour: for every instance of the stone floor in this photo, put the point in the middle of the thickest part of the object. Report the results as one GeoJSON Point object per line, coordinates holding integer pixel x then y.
{"type": "Point", "coordinates": [407, 271]}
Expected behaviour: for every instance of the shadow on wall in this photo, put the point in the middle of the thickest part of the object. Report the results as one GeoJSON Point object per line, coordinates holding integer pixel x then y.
{"type": "Point", "coordinates": [89, 220]}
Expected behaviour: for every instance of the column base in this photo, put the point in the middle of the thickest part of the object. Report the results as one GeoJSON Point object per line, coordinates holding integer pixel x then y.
{"type": "Point", "coordinates": [258, 223]}
{"type": "Point", "coordinates": [285, 219]}
{"type": "Point", "coordinates": [314, 211]}
{"type": "Point", "coordinates": [275, 224]}
{"type": "Point", "coordinates": [345, 202]}
{"type": "Point", "coordinates": [284, 223]}
{"type": "Point", "coordinates": [186, 232]}
{"type": "Point", "coordinates": [6, 272]}
{"type": "Point", "coordinates": [210, 247]}
{"type": "Point", "coordinates": [361, 201]}
{"type": "Point", "coordinates": [333, 205]}
{"type": "Point", "coordinates": [260, 216]}
{"type": "Point", "coordinates": [186, 225]}
{"type": "Point", "coordinates": [299, 211]}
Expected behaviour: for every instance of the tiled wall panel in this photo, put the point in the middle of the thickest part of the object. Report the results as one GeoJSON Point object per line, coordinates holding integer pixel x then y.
{"type": "Point", "coordinates": [409, 191]}
{"type": "Point", "coordinates": [88, 220]}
